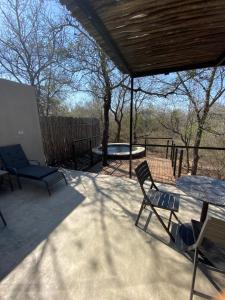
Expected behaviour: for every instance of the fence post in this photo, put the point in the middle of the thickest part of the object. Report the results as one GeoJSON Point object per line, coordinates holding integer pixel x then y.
{"type": "Point", "coordinates": [91, 154]}
{"type": "Point", "coordinates": [74, 156]}
{"type": "Point", "coordinates": [180, 162]}
{"type": "Point", "coordinates": [145, 147]}
{"type": "Point", "coordinates": [175, 162]}
{"type": "Point", "coordinates": [167, 148]}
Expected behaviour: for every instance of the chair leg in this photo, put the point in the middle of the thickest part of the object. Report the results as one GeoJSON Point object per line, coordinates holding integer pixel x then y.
{"type": "Point", "coordinates": [10, 182]}
{"type": "Point", "coordinates": [3, 219]}
{"type": "Point", "coordinates": [148, 220]}
{"type": "Point", "coordinates": [194, 274]}
{"type": "Point", "coordinates": [170, 218]}
{"type": "Point", "coordinates": [19, 182]}
{"type": "Point", "coordinates": [47, 186]}
{"type": "Point", "coordinates": [163, 224]}
{"type": "Point", "coordinates": [175, 216]}
{"type": "Point", "coordinates": [65, 179]}
{"type": "Point", "coordinates": [140, 211]}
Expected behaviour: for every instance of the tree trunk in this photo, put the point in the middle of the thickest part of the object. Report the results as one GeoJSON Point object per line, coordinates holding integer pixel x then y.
{"type": "Point", "coordinates": [105, 135]}
{"type": "Point", "coordinates": [117, 138]}
{"type": "Point", "coordinates": [187, 158]}
{"type": "Point", "coordinates": [196, 150]}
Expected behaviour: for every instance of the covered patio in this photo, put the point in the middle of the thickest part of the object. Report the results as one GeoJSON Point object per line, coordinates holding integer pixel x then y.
{"type": "Point", "coordinates": [81, 243]}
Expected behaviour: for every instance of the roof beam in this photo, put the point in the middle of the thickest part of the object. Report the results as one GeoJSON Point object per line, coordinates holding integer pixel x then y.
{"type": "Point", "coordinates": [219, 61]}
{"type": "Point", "coordinates": [92, 16]}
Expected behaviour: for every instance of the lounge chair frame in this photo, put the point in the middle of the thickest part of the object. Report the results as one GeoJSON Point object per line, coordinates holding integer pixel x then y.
{"type": "Point", "coordinates": [50, 176]}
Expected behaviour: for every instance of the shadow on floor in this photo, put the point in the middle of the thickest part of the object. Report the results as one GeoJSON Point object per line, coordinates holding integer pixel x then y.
{"type": "Point", "coordinates": [31, 216]}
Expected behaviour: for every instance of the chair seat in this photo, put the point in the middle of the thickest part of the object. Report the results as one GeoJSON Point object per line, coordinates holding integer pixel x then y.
{"type": "Point", "coordinates": [36, 172]}
{"type": "Point", "coordinates": [211, 252]}
{"type": "Point", "coordinates": [164, 200]}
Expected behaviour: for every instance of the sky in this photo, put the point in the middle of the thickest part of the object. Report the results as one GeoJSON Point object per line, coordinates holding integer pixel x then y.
{"type": "Point", "coordinates": [74, 98]}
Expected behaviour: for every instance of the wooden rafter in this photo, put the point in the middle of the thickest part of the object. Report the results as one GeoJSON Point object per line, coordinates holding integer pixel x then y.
{"type": "Point", "coordinates": [147, 37]}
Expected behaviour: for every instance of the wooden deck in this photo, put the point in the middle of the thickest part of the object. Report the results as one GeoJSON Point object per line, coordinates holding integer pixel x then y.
{"type": "Point", "coordinates": [160, 167]}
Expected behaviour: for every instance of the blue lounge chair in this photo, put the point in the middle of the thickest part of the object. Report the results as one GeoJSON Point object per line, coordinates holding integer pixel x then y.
{"type": "Point", "coordinates": [15, 161]}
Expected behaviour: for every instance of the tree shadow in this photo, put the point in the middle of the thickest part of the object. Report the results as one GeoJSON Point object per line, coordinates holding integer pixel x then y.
{"type": "Point", "coordinates": [31, 217]}
{"type": "Point", "coordinates": [112, 205]}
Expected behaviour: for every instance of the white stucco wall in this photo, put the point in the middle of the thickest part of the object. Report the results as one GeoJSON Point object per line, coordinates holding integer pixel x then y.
{"type": "Point", "coordinates": [19, 121]}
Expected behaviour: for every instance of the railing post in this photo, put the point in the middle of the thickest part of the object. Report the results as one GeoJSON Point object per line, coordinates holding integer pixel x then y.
{"type": "Point", "coordinates": [175, 162]}
{"type": "Point", "coordinates": [180, 162]}
{"type": "Point", "coordinates": [171, 152]}
{"type": "Point", "coordinates": [173, 148]}
{"type": "Point", "coordinates": [145, 147]}
{"type": "Point", "coordinates": [167, 148]}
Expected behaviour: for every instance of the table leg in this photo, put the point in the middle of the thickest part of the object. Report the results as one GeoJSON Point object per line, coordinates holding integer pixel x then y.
{"type": "Point", "coordinates": [205, 206]}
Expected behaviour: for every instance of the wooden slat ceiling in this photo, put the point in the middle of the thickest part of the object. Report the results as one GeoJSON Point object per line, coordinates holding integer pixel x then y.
{"type": "Point", "coordinates": [145, 37]}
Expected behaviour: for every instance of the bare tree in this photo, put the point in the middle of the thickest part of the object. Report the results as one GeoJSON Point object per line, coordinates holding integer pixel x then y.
{"type": "Point", "coordinates": [101, 77]}
{"type": "Point", "coordinates": [139, 99]}
{"type": "Point", "coordinates": [202, 88]}
{"type": "Point", "coordinates": [180, 123]}
{"type": "Point", "coordinates": [34, 49]}
{"type": "Point", "coordinates": [117, 108]}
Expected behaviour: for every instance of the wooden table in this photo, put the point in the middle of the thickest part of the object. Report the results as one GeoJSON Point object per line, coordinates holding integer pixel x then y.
{"type": "Point", "coordinates": [5, 175]}
{"type": "Point", "coordinates": [206, 189]}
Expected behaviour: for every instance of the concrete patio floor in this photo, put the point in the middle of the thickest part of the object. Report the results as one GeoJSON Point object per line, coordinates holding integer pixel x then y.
{"type": "Point", "coordinates": [81, 243]}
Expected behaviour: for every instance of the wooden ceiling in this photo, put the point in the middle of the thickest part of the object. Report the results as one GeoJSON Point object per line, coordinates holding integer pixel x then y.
{"type": "Point", "coordinates": [146, 37]}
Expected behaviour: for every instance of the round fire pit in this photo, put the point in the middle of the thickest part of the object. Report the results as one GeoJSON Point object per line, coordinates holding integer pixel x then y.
{"type": "Point", "coordinates": [121, 151]}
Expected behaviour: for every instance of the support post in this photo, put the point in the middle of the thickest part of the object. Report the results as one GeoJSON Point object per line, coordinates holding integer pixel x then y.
{"type": "Point", "coordinates": [131, 125]}
{"type": "Point", "coordinates": [145, 147]}
{"type": "Point", "coordinates": [180, 162]}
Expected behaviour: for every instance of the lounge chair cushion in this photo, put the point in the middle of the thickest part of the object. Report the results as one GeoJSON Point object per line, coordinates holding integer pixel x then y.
{"type": "Point", "coordinates": [36, 172]}
{"type": "Point", "coordinates": [13, 157]}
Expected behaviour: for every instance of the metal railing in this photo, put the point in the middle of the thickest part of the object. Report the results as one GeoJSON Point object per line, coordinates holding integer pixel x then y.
{"type": "Point", "coordinates": [175, 152]}
{"type": "Point", "coordinates": [80, 150]}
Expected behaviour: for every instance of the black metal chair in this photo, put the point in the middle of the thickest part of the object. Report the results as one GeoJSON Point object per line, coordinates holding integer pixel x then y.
{"type": "Point", "coordinates": [156, 199]}
{"type": "Point", "coordinates": [209, 247]}
{"type": "Point", "coordinates": [15, 161]}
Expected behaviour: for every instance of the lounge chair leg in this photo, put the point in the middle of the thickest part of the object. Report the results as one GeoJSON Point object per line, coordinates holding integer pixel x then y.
{"type": "Point", "coordinates": [49, 191]}
{"type": "Point", "coordinates": [47, 187]}
{"type": "Point", "coordinates": [194, 274]}
{"type": "Point", "coordinates": [140, 211]}
{"type": "Point", "coordinates": [10, 182]}
{"type": "Point", "coordinates": [65, 179]}
{"type": "Point", "coordinates": [19, 182]}
{"type": "Point", "coordinates": [3, 219]}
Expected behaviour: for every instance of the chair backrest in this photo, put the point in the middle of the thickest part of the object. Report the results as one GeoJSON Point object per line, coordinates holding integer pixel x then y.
{"type": "Point", "coordinates": [13, 156]}
{"type": "Point", "coordinates": [143, 173]}
{"type": "Point", "coordinates": [213, 229]}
